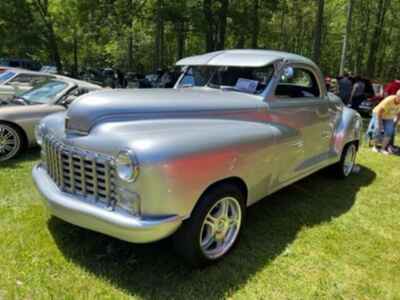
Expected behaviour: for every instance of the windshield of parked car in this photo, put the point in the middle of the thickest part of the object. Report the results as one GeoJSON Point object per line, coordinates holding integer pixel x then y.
{"type": "Point", "coordinates": [243, 79]}
{"type": "Point", "coordinates": [5, 76]}
{"type": "Point", "coordinates": [44, 93]}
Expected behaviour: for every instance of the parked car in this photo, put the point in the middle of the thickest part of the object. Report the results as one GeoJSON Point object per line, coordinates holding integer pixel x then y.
{"type": "Point", "coordinates": [373, 100]}
{"type": "Point", "coordinates": [145, 164]}
{"type": "Point", "coordinates": [19, 116]}
{"type": "Point", "coordinates": [17, 81]}
{"type": "Point", "coordinates": [20, 63]}
{"type": "Point", "coordinates": [49, 69]}
{"type": "Point", "coordinates": [3, 69]}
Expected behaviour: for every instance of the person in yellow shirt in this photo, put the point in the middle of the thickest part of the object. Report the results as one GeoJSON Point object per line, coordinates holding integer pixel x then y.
{"type": "Point", "coordinates": [385, 116]}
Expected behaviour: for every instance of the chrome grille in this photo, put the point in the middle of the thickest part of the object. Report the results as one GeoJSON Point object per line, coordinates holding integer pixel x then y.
{"type": "Point", "coordinates": [80, 172]}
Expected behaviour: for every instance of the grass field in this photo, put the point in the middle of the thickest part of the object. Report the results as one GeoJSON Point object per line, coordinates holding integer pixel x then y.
{"type": "Point", "coordinates": [317, 239]}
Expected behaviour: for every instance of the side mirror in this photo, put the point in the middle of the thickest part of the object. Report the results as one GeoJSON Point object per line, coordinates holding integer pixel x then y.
{"type": "Point", "coordinates": [288, 72]}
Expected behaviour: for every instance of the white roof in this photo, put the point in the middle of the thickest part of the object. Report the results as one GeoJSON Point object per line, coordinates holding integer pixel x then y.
{"type": "Point", "coordinates": [241, 58]}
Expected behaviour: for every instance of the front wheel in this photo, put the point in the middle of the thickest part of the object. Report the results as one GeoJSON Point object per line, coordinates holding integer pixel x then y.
{"type": "Point", "coordinates": [214, 227]}
{"type": "Point", "coordinates": [10, 142]}
{"type": "Point", "coordinates": [345, 166]}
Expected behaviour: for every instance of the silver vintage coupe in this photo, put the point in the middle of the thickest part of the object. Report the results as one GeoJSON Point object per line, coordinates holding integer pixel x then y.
{"type": "Point", "coordinates": [142, 165]}
{"type": "Point", "coordinates": [20, 115]}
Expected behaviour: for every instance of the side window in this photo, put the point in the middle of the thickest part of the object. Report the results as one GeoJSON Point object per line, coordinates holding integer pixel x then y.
{"type": "Point", "coordinates": [297, 83]}
{"type": "Point", "coordinates": [196, 76]}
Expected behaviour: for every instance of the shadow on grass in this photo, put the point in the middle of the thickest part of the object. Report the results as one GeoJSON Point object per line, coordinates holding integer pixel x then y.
{"type": "Point", "coordinates": [153, 271]}
{"type": "Point", "coordinates": [26, 156]}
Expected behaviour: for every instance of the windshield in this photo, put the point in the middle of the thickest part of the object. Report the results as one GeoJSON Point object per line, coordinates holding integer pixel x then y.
{"type": "Point", "coordinates": [243, 79]}
{"type": "Point", "coordinates": [5, 76]}
{"type": "Point", "coordinates": [45, 93]}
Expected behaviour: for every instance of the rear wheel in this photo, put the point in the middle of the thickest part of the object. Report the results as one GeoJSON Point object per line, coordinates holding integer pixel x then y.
{"type": "Point", "coordinates": [10, 142]}
{"type": "Point", "coordinates": [345, 166]}
{"type": "Point", "coordinates": [214, 227]}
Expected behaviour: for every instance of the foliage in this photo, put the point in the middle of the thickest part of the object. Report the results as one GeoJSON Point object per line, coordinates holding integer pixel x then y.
{"type": "Point", "coordinates": [142, 35]}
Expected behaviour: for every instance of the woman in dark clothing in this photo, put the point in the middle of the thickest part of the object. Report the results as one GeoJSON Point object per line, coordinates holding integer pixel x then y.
{"type": "Point", "coordinates": [358, 93]}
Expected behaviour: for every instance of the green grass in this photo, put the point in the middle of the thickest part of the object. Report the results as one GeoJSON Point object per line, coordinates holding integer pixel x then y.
{"type": "Point", "coordinates": [317, 239]}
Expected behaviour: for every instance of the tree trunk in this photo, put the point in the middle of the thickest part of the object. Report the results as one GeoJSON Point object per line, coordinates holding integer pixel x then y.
{"type": "Point", "coordinates": [130, 34]}
{"type": "Point", "coordinates": [42, 7]}
{"type": "Point", "coordinates": [130, 51]}
{"type": "Point", "coordinates": [363, 39]}
{"type": "Point", "coordinates": [76, 68]}
{"type": "Point", "coordinates": [376, 36]}
{"type": "Point", "coordinates": [256, 24]}
{"type": "Point", "coordinates": [318, 31]}
{"type": "Point", "coordinates": [180, 39]}
{"type": "Point", "coordinates": [159, 37]}
{"type": "Point", "coordinates": [284, 39]}
{"type": "Point", "coordinates": [208, 16]}
{"type": "Point", "coordinates": [346, 36]}
{"type": "Point", "coordinates": [55, 53]}
{"type": "Point", "coordinates": [223, 12]}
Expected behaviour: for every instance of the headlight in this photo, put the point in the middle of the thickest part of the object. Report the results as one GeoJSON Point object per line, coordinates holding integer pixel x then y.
{"type": "Point", "coordinates": [127, 166]}
{"type": "Point", "coordinates": [39, 134]}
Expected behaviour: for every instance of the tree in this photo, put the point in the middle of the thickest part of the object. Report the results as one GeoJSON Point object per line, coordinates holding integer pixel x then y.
{"type": "Point", "coordinates": [159, 37]}
{"type": "Point", "coordinates": [376, 36]}
{"type": "Point", "coordinates": [256, 24]}
{"type": "Point", "coordinates": [42, 7]}
{"type": "Point", "coordinates": [318, 31]}
{"type": "Point", "coordinates": [346, 35]}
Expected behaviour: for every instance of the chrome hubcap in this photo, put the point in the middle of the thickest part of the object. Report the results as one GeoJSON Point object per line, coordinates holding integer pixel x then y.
{"type": "Point", "coordinates": [349, 160]}
{"type": "Point", "coordinates": [9, 142]}
{"type": "Point", "coordinates": [220, 227]}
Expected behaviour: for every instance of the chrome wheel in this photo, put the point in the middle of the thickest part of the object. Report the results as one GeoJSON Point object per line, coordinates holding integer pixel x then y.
{"type": "Point", "coordinates": [349, 160]}
{"type": "Point", "coordinates": [220, 227]}
{"type": "Point", "coordinates": [9, 142]}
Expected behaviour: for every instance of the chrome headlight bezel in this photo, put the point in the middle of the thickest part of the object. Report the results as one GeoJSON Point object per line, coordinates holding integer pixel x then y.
{"type": "Point", "coordinates": [39, 133]}
{"type": "Point", "coordinates": [127, 166]}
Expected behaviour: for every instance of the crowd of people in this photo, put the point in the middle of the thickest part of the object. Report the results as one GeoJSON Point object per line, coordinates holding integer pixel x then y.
{"type": "Point", "coordinates": [385, 115]}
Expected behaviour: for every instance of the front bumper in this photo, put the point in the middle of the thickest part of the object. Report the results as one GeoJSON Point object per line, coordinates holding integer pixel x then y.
{"type": "Point", "coordinates": [91, 216]}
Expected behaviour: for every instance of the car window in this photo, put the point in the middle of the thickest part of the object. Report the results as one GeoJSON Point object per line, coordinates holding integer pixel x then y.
{"type": "Point", "coordinates": [46, 92]}
{"type": "Point", "coordinates": [245, 79]}
{"type": "Point", "coordinates": [197, 76]}
{"type": "Point", "coordinates": [297, 83]}
{"type": "Point", "coordinates": [6, 75]}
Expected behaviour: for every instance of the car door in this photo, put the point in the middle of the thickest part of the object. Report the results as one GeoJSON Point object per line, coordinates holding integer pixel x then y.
{"type": "Point", "coordinates": [300, 108]}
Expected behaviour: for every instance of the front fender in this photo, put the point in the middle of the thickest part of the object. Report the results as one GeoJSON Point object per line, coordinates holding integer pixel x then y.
{"type": "Point", "coordinates": [348, 129]}
{"type": "Point", "coordinates": [180, 159]}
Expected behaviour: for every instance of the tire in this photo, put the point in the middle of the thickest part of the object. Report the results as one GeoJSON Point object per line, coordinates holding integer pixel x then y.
{"type": "Point", "coordinates": [11, 141]}
{"type": "Point", "coordinates": [214, 227]}
{"type": "Point", "coordinates": [344, 167]}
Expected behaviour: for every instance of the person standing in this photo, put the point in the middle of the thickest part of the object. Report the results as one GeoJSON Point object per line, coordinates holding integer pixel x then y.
{"type": "Point", "coordinates": [357, 93]}
{"type": "Point", "coordinates": [384, 119]}
{"type": "Point", "coordinates": [345, 87]}
{"type": "Point", "coordinates": [391, 89]}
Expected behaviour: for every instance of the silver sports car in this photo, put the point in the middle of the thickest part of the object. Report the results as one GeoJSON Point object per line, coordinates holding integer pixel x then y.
{"type": "Point", "coordinates": [20, 115]}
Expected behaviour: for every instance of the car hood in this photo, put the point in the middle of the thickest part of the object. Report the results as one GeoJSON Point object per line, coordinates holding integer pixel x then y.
{"type": "Point", "coordinates": [17, 109]}
{"type": "Point", "coordinates": [123, 105]}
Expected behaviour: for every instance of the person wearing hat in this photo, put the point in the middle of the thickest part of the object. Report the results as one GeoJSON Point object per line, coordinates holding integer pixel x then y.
{"type": "Point", "coordinates": [384, 119]}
